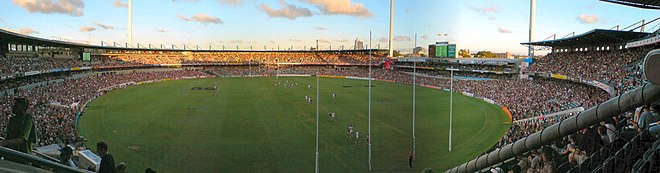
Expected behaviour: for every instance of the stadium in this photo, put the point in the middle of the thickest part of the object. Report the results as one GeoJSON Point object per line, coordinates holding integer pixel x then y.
{"type": "Point", "coordinates": [589, 105]}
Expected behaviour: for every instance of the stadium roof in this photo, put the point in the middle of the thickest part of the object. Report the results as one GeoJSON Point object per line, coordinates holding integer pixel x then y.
{"type": "Point", "coordinates": [648, 4]}
{"type": "Point", "coordinates": [16, 38]}
{"type": "Point", "coordinates": [597, 37]}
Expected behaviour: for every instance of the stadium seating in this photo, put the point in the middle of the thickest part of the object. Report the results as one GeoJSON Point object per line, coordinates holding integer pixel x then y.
{"type": "Point", "coordinates": [58, 97]}
{"type": "Point", "coordinates": [618, 68]}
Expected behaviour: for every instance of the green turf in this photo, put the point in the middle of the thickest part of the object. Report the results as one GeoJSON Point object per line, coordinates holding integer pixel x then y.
{"type": "Point", "coordinates": [250, 125]}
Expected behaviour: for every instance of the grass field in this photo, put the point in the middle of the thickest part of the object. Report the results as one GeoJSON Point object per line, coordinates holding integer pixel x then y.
{"type": "Point", "coordinates": [251, 125]}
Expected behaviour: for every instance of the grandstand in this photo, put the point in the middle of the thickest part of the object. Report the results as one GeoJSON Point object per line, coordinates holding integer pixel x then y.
{"type": "Point", "coordinates": [574, 108]}
{"type": "Point", "coordinates": [609, 136]}
{"type": "Point", "coordinates": [65, 64]}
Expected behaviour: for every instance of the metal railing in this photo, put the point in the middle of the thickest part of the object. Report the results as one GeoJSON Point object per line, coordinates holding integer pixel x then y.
{"type": "Point", "coordinates": [38, 162]}
{"type": "Point", "coordinates": [601, 112]}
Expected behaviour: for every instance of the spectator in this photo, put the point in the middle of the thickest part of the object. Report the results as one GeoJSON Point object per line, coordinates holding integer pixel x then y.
{"type": "Point", "coordinates": [548, 159]}
{"type": "Point", "coordinates": [65, 157]}
{"type": "Point", "coordinates": [149, 170]}
{"type": "Point", "coordinates": [646, 117]}
{"type": "Point", "coordinates": [121, 167]}
{"type": "Point", "coordinates": [107, 161]}
{"type": "Point", "coordinates": [20, 130]}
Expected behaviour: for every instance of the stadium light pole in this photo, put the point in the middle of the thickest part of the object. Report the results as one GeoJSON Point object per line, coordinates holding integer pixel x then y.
{"type": "Point", "coordinates": [532, 16]}
{"type": "Point", "coordinates": [391, 44]}
{"type": "Point", "coordinates": [130, 21]}
{"type": "Point", "coordinates": [317, 122]}
{"type": "Point", "coordinates": [369, 133]}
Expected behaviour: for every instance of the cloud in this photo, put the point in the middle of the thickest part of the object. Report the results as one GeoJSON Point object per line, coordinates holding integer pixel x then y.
{"type": "Point", "coordinates": [185, 0]}
{"type": "Point", "coordinates": [320, 28]}
{"type": "Point", "coordinates": [592, 6]}
{"type": "Point", "coordinates": [272, 42]}
{"type": "Point", "coordinates": [324, 41]}
{"type": "Point", "coordinates": [503, 30]}
{"type": "Point", "coordinates": [69, 7]}
{"type": "Point", "coordinates": [588, 18]}
{"type": "Point", "coordinates": [104, 26]}
{"type": "Point", "coordinates": [231, 2]}
{"type": "Point", "coordinates": [295, 40]}
{"type": "Point", "coordinates": [491, 18]}
{"type": "Point", "coordinates": [119, 4]}
{"type": "Point", "coordinates": [236, 41]}
{"type": "Point", "coordinates": [202, 18]}
{"type": "Point", "coordinates": [342, 41]}
{"type": "Point", "coordinates": [492, 8]}
{"type": "Point", "coordinates": [27, 31]}
{"type": "Point", "coordinates": [402, 38]}
{"type": "Point", "coordinates": [87, 28]}
{"type": "Point", "coordinates": [161, 30]}
{"type": "Point", "coordinates": [341, 7]}
{"type": "Point", "coordinates": [289, 11]}
{"type": "Point", "coordinates": [384, 40]}
{"type": "Point", "coordinates": [425, 37]}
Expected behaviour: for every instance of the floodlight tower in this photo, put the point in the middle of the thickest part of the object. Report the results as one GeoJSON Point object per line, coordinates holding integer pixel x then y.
{"type": "Point", "coordinates": [391, 46]}
{"type": "Point", "coordinates": [532, 16]}
{"type": "Point", "coordinates": [130, 22]}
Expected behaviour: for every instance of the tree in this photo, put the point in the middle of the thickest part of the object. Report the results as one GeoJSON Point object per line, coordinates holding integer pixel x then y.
{"type": "Point", "coordinates": [395, 53]}
{"type": "Point", "coordinates": [464, 53]}
{"type": "Point", "coordinates": [485, 54]}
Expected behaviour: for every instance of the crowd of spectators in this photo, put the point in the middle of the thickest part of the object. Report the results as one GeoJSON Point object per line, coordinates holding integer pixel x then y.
{"type": "Point", "coordinates": [599, 145]}
{"type": "Point", "coordinates": [618, 68]}
{"type": "Point", "coordinates": [18, 64]}
{"type": "Point", "coordinates": [265, 57]}
{"type": "Point", "coordinates": [55, 106]}
{"type": "Point", "coordinates": [462, 67]}
{"type": "Point", "coordinates": [460, 74]}
{"type": "Point", "coordinates": [524, 98]}
{"type": "Point", "coordinates": [25, 63]}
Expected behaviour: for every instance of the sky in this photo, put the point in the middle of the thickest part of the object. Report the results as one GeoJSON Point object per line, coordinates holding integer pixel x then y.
{"type": "Point", "coordinates": [495, 25]}
{"type": "Point", "coordinates": [501, 25]}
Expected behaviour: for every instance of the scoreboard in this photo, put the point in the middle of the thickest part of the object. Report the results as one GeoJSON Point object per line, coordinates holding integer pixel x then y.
{"type": "Point", "coordinates": [86, 56]}
{"type": "Point", "coordinates": [442, 50]}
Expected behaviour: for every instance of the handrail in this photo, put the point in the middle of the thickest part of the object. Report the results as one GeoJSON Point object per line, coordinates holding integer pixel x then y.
{"type": "Point", "coordinates": [628, 101]}
{"type": "Point", "coordinates": [36, 161]}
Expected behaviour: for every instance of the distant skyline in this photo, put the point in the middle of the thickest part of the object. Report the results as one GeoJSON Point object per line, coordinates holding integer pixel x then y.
{"type": "Point", "coordinates": [495, 25]}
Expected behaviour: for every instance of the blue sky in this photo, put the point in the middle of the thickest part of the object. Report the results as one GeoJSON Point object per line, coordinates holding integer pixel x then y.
{"type": "Point", "coordinates": [500, 25]}
{"type": "Point", "coordinates": [497, 25]}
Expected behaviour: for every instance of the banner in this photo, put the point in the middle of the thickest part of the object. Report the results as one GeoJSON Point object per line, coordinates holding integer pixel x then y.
{"type": "Point", "coordinates": [57, 70]}
{"type": "Point", "coordinates": [359, 78]}
{"type": "Point", "coordinates": [558, 76]}
{"type": "Point", "coordinates": [644, 42]}
{"type": "Point", "coordinates": [30, 73]}
{"type": "Point", "coordinates": [489, 100]}
{"type": "Point", "coordinates": [331, 76]}
{"type": "Point", "coordinates": [508, 113]}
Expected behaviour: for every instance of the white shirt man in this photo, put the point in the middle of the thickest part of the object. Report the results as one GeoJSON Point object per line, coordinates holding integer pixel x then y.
{"type": "Point", "coordinates": [350, 130]}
